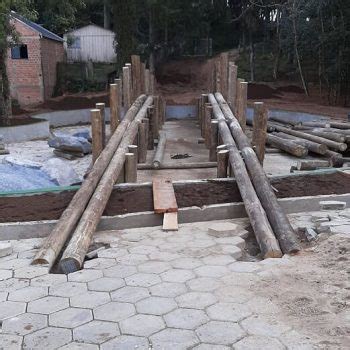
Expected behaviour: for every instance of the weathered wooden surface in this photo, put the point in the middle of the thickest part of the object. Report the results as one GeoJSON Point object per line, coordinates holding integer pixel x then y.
{"type": "Point", "coordinates": [170, 222]}
{"type": "Point", "coordinates": [222, 157]}
{"type": "Point", "coordinates": [312, 164]}
{"type": "Point", "coordinates": [96, 133]}
{"type": "Point", "coordinates": [289, 146]}
{"type": "Point", "coordinates": [159, 154]}
{"type": "Point", "coordinates": [259, 130]}
{"type": "Point", "coordinates": [164, 200]}
{"type": "Point", "coordinates": [114, 111]}
{"type": "Point", "coordinates": [102, 108]}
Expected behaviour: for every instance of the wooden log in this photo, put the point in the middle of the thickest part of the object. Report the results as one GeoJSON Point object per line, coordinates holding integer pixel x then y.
{"type": "Point", "coordinates": [260, 130]}
{"type": "Point", "coordinates": [136, 75]}
{"type": "Point", "coordinates": [284, 120]}
{"type": "Point", "coordinates": [263, 232]}
{"type": "Point", "coordinates": [208, 112]}
{"type": "Point", "coordinates": [312, 164]}
{"type": "Point", "coordinates": [339, 125]}
{"type": "Point", "coordinates": [126, 87]}
{"type": "Point", "coordinates": [204, 100]}
{"type": "Point", "coordinates": [222, 157]}
{"type": "Point", "coordinates": [335, 159]}
{"type": "Point", "coordinates": [53, 244]}
{"type": "Point", "coordinates": [143, 141]}
{"type": "Point", "coordinates": [277, 217]}
{"type": "Point", "coordinates": [213, 140]}
{"type": "Point", "coordinates": [155, 123]}
{"type": "Point", "coordinates": [310, 145]}
{"type": "Point", "coordinates": [73, 256]}
{"type": "Point", "coordinates": [288, 146]}
{"type": "Point", "coordinates": [147, 82]}
{"type": "Point", "coordinates": [119, 83]}
{"type": "Point", "coordinates": [142, 78]}
{"type": "Point", "coordinates": [179, 165]}
{"type": "Point", "coordinates": [159, 154]}
{"type": "Point", "coordinates": [152, 85]}
{"type": "Point", "coordinates": [150, 116]}
{"type": "Point", "coordinates": [113, 103]}
{"type": "Point", "coordinates": [101, 107]}
{"type": "Point", "coordinates": [224, 72]}
{"type": "Point", "coordinates": [218, 83]}
{"type": "Point", "coordinates": [232, 86]}
{"type": "Point", "coordinates": [130, 167]}
{"type": "Point", "coordinates": [331, 144]}
{"type": "Point", "coordinates": [96, 133]}
{"type": "Point", "coordinates": [164, 200]}
{"type": "Point", "coordinates": [242, 95]}
{"type": "Point", "coordinates": [316, 124]}
{"type": "Point", "coordinates": [328, 135]}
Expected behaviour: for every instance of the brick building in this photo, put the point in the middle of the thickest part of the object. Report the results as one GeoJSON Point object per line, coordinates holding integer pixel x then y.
{"type": "Point", "coordinates": [31, 66]}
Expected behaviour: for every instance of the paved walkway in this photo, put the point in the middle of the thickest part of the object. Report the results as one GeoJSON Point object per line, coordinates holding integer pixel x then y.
{"type": "Point", "coordinates": [150, 290]}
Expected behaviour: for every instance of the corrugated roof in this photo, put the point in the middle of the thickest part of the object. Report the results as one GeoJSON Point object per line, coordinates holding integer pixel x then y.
{"type": "Point", "coordinates": [38, 28]}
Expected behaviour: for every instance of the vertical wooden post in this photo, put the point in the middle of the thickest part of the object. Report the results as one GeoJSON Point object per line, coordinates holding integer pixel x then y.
{"type": "Point", "coordinates": [207, 120]}
{"type": "Point", "coordinates": [218, 86]}
{"type": "Point", "coordinates": [214, 129]}
{"type": "Point", "coordinates": [96, 133]}
{"type": "Point", "coordinates": [204, 100]}
{"type": "Point", "coordinates": [164, 110]}
{"type": "Point", "coordinates": [260, 130]}
{"type": "Point", "coordinates": [101, 107]}
{"type": "Point", "coordinates": [147, 82]}
{"type": "Point", "coordinates": [152, 84]}
{"type": "Point", "coordinates": [136, 75]}
{"type": "Point", "coordinates": [142, 142]}
{"type": "Point", "coordinates": [150, 115]}
{"type": "Point", "coordinates": [113, 104]}
{"type": "Point", "coordinates": [142, 78]}
{"type": "Point", "coordinates": [232, 86]}
{"type": "Point", "coordinates": [130, 167]}
{"type": "Point", "coordinates": [224, 72]}
{"type": "Point", "coordinates": [126, 88]}
{"type": "Point", "coordinates": [155, 123]}
{"type": "Point", "coordinates": [222, 159]}
{"type": "Point", "coordinates": [242, 90]}
{"type": "Point", "coordinates": [119, 84]}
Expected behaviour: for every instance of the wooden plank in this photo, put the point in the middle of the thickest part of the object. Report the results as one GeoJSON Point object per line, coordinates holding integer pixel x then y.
{"type": "Point", "coordinates": [164, 199]}
{"type": "Point", "coordinates": [170, 222]}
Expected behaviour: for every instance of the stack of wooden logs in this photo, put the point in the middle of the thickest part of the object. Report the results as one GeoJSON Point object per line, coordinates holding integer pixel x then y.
{"type": "Point", "coordinates": [223, 125]}
{"type": "Point", "coordinates": [114, 161]}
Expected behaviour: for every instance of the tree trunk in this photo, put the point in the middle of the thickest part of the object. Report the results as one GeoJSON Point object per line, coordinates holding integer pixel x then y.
{"type": "Point", "coordinates": [5, 97]}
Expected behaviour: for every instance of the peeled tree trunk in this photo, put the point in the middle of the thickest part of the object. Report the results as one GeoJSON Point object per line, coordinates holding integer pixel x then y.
{"type": "Point", "coordinates": [5, 97]}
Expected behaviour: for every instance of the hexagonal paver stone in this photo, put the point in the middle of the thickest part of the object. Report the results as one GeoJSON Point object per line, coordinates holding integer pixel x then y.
{"type": "Point", "coordinates": [112, 253]}
{"type": "Point", "coordinates": [3, 296]}
{"type": "Point", "coordinates": [174, 339]}
{"type": "Point", "coordinates": [245, 266]}
{"type": "Point", "coordinates": [70, 318]}
{"type": "Point", "coordinates": [186, 318]}
{"type": "Point", "coordinates": [126, 342]}
{"type": "Point", "coordinates": [48, 305]}
{"type": "Point", "coordinates": [156, 305]}
{"type": "Point", "coordinates": [68, 289]}
{"type": "Point", "coordinates": [47, 338]}
{"type": "Point", "coordinates": [196, 300]}
{"type": "Point", "coordinates": [234, 251]}
{"type": "Point", "coordinates": [203, 284]}
{"type": "Point", "coordinates": [10, 342]}
{"type": "Point", "coordinates": [218, 332]}
{"type": "Point", "coordinates": [218, 260]}
{"type": "Point", "coordinates": [106, 284]}
{"type": "Point", "coordinates": [237, 241]}
{"type": "Point", "coordinates": [31, 271]}
{"type": "Point", "coordinates": [241, 279]}
{"type": "Point", "coordinates": [121, 271]}
{"type": "Point", "coordinates": [168, 289]}
{"type": "Point", "coordinates": [79, 346]}
{"type": "Point", "coordinates": [96, 332]}
{"type": "Point", "coordinates": [143, 249]}
{"type": "Point", "coordinates": [142, 280]}
{"type": "Point", "coordinates": [24, 324]}
{"type": "Point", "coordinates": [14, 264]}
{"type": "Point", "coordinates": [177, 275]}
{"type": "Point", "coordinates": [99, 263]}
{"type": "Point", "coordinates": [142, 325]}
{"type": "Point", "coordinates": [154, 267]}
{"type": "Point", "coordinates": [90, 300]}
{"type": "Point", "coordinates": [28, 294]}
{"type": "Point", "coordinates": [233, 294]}
{"type": "Point", "coordinates": [164, 256]}
{"type": "Point", "coordinates": [114, 311]}
{"type": "Point", "coordinates": [223, 229]}
{"type": "Point", "coordinates": [48, 280]}
{"type": "Point", "coordinates": [264, 326]}
{"type": "Point", "coordinates": [133, 259]}
{"type": "Point", "coordinates": [130, 294]}
{"type": "Point", "coordinates": [186, 263]}
{"type": "Point", "coordinates": [211, 347]}
{"type": "Point", "coordinates": [5, 274]}
{"type": "Point", "coordinates": [12, 284]}
{"type": "Point", "coordinates": [211, 271]}
{"type": "Point", "coordinates": [228, 312]}
{"type": "Point", "coordinates": [11, 308]}
{"type": "Point", "coordinates": [85, 275]}
{"type": "Point", "coordinates": [258, 342]}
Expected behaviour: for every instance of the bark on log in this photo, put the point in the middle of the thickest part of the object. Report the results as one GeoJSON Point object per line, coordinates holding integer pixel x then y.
{"type": "Point", "coordinates": [259, 130]}
{"type": "Point", "coordinates": [150, 115]}
{"type": "Point", "coordinates": [96, 134]}
{"type": "Point", "coordinates": [335, 159]}
{"type": "Point", "coordinates": [130, 168]}
{"type": "Point", "coordinates": [113, 102]}
{"type": "Point", "coordinates": [126, 87]}
{"type": "Point", "coordinates": [312, 164]}
{"type": "Point", "coordinates": [278, 219]}
{"type": "Point", "coordinates": [242, 91]}
{"type": "Point", "coordinates": [102, 108]}
{"type": "Point", "coordinates": [159, 155]}
{"type": "Point", "coordinates": [143, 141]}
{"type": "Point", "coordinates": [213, 140]}
{"type": "Point", "coordinates": [73, 256]}
{"type": "Point", "coordinates": [222, 163]}
{"type": "Point", "coordinates": [288, 146]}
{"type": "Point", "coordinates": [53, 244]}
{"type": "Point", "coordinates": [328, 135]}
{"type": "Point", "coordinates": [262, 229]}
{"type": "Point", "coordinates": [232, 85]}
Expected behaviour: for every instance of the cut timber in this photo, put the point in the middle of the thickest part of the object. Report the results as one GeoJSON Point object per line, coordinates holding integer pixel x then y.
{"type": "Point", "coordinates": [241, 103]}
{"type": "Point", "coordinates": [96, 133]}
{"type": "Point", "coordinates": [277, 217]}
{"type": "Point", "coordinates": [286, 145]}
{"type": "Point", "coordinates": [170, 222]}
{"type": "Point", "coordinates": [101, 107]}
{"type": "Point", "coordinates": [335, 158]}
{"type": "Point", "coordinates": [159, 155]}
{"type": "Point", "coordinates": [53, 244]}
{"type": "Point", "coordinates": [213, 140]}
{"type": "Point", "coordinates": [73, 256]}
{"type": "Point", "coordinates": [312, 164]}
{"type": "Point", "coordinates": [164, 200]}
{"type": "Point", "coordinates": [232, 85]}
{"type": "Point", "coordinates": [222, 163]}
{"type": "Point", "coordinates": [262, 229]}
{"type": "Point", "coordinates": [328, 135]}
{"type": "Point", "coordinates": [113, 101]}
{"type": "Point", "coordinates": [259, 130]}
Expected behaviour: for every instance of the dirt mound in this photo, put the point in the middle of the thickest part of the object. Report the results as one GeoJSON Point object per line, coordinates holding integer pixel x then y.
{"type": "Point", "coordinates": [258, 91]}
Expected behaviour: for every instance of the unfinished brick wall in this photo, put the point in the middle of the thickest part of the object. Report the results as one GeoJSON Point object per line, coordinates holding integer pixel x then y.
{"type": "Point", "coordinates": [52, 52]}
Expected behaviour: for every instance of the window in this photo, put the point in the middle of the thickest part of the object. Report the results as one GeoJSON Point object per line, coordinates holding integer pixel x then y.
{"type": "Point", "coordinates": [73, 42]}
{"type": "Point", "coordinates": [19, 52]}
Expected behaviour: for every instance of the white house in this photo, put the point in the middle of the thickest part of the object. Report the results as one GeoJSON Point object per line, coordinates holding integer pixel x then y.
{"type": "Point", "coordinates": [90, 43]}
